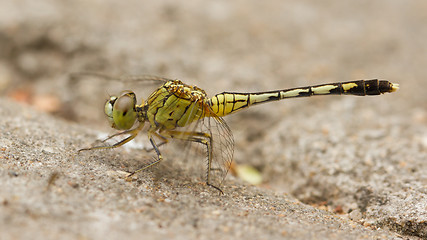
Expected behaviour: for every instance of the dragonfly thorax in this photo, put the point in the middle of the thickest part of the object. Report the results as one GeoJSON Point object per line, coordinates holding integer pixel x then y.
{"type": "Point", "coordinates": [175, 104]}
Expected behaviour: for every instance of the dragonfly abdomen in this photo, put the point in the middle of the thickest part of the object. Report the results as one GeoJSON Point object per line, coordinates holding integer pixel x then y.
{"type": "Point", "coordinates": [229, 102]}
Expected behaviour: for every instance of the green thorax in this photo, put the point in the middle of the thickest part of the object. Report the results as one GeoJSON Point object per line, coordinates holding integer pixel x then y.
{"type": "Point", "coordinates": [176, 104]}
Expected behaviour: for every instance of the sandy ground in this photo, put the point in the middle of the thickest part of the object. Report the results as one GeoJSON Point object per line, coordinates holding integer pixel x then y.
{"type": "Point", "coordinates": [332, 167]}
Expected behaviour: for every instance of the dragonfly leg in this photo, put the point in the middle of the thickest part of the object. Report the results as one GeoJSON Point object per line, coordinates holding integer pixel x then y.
{"type": "Point", "coordinates": [133, 133]}
{"type": "Point", "coordinates": [199, 137]}
{"type": "Point", "coordinates": [118, 134]}
{"type": "Point", "coordinates": [157, 160]}
{"type": "Point", "coordinates": [164, 141]}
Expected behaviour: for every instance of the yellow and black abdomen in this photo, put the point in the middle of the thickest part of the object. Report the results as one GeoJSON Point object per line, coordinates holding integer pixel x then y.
{"type": "Point", "coordinates": [228, 102]}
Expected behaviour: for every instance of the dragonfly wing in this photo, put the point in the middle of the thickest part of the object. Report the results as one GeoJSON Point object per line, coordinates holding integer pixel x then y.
{"type": "Point", "coordinates": [222, 148]}
{"type": "Point", "coordinates": [124, 78]}
{"type": "Point", "coordinates": [206, 135]}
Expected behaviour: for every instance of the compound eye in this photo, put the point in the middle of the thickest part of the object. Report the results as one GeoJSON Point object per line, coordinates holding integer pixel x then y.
{"type": "Point", "coordinates": [109, 108]}
{"type": "Point", "coordinates": [124, 104]}
{"type": "Point", "coordinates": [123, 111]}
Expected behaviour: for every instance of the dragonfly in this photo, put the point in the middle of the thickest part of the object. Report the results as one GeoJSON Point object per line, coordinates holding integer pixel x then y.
{"type": "Point", "coordinates": [176, 110]}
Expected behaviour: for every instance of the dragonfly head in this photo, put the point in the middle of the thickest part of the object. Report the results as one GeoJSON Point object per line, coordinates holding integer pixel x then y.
{"type": "Point", "coordinates": [121, 110]}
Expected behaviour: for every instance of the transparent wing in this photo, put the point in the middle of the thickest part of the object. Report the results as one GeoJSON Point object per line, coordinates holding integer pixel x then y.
{"type": "Point", "coordinates": [124, 78]}
{"type": "Point", "coordinates": [205, 134]}
{"type": "Point", "coordinates": [222, 148]}
{"type": "Point", "coordinates": [211, 135]}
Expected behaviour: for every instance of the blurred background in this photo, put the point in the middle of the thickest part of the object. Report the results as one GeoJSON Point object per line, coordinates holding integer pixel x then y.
{"type": "Point", "coordinates": [218, 45]}
{"type": "Point", "coordinates": [322, 150]}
